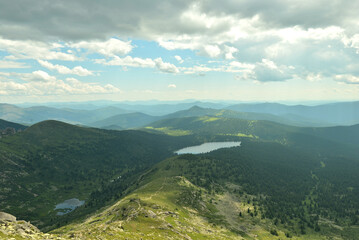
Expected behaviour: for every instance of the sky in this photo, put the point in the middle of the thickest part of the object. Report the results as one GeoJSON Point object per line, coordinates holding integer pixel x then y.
{"type": "Point", "coordinates": [128, 50]}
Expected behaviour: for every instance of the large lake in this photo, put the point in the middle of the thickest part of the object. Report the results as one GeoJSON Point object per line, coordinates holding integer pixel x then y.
{"type": "Point", "coordinates": [207, 147]}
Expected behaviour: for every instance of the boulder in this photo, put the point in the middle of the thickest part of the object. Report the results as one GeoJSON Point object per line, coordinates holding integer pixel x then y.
{"type": "Point", "coordinates": [5, 217]}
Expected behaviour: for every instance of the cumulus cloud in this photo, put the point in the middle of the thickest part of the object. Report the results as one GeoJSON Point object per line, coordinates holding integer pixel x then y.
{"type": "Point", "coordinates": [34, 50]}
{"type": "Point", "coordinates": [12, 64]}
{"type": "Point", "coordinates": [172, 86]}
{"type": "Point", "coordinates": [179, 59]}
{"type": "Point", "coordinates": [40, 83]}
{"type": "Point", "coordinates": [111, 47]}
{"type": "Point", "coordinates": [36, 76]}
{"type": "Point", "coordinates": [268, 71]}
{"type": "Point", "coordinates": [78, 70]}
{"type": "Point", "coordinates": [129, 61]}
{"type": "Point", "coordinates": [346, 78]}
{"type": "Point", "coordinates": [256, 40]}
{"type": "Point", "coordinates": [229, 51]}
{"type": "Point", "coordinates": [165, 67]}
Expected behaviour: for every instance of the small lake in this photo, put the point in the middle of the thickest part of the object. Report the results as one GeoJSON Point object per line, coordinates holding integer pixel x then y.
{"type": "Point", "coordinates": [207, 147]}
{"type": "Point", "coordinates": [68, 206]}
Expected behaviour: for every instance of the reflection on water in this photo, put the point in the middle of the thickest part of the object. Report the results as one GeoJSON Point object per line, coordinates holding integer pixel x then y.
{"type": "Point", "coordinates": [207, 147]}
{"type": "Point", "coordinates": [68, 206]}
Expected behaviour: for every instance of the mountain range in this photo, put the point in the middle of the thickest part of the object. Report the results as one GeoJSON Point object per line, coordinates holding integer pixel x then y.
{"type": "Point", "coordinates": [124, 115]}
{"type": "Point", "coordinates": [284, 181]}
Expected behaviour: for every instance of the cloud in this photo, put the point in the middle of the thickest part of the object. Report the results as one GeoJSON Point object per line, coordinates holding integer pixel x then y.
{"type": "Point", "coordinates": [78, 70]}
{"type": "Point", "coordinates": [231, 67]}
{"type": "Point", "coordinates": [36, 76]}
{"type": "Point", "coordinates": [129, 61]}
{"type": "Point", "coordinates": [165, 67]}
{"type": "Point", "coordinates": [12, 64]}
{"type": "Point", "coordinates": [110, 48]}
{"type": "Point", "coordinates": [40, 83]}
{"type": "Point", "coordinates": [318, 38]}
{"type": "Point", "coordinates": [212, 50]}
{"type": "Point", "coordinates": [268, 71]}
{"type": "Point", "coordinates": [179, 59]}
{"type": "Point", "coordinates": [34, 50]}
{"type": "Point", "coordinates": [172, 86]}
{"type": "Point", "coordinates": [229, 51]}
{"type": "Point", "coordinates": [346, 78]}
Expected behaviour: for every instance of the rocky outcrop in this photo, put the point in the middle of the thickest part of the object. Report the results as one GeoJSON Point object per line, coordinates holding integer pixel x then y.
{"type": "Point", "coordinates": [10, 228]}
{"type": "Point", "coordinates": [5, 217]}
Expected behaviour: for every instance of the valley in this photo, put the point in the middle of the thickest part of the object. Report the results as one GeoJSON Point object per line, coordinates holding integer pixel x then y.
{"type": "Point", "coordinates": [280, 182]}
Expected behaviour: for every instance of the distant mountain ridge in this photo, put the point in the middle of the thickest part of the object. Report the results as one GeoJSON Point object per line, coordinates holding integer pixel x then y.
{"type": "Point", "coordinates": [332, 114]}
{"type": "Point", "coordinates": [31, 115]}
{"type": "Point", "coordinates": [125, 115]}
{"type": "Point", "coordinates": [136, 120]}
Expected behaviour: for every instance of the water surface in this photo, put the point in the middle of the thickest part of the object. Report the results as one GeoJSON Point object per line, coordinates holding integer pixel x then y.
{"type": "Point", "coordinates": [68, 206]}
{"type": "Point", "coordinates": [207, 147]}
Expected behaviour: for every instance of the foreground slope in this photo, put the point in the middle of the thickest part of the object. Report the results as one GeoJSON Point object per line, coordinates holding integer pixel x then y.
{"type": "Point", "coordinates": [237, 193]}
{"type": "Point", "coordinates": [52, 161]}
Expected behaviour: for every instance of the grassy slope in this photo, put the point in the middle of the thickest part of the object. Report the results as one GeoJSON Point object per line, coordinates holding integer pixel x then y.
{"type": "Point", "coordinates": [168, 206]}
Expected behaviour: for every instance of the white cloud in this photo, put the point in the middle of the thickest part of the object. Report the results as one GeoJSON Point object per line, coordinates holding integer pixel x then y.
{"type": "Point", "coordinates": [346, 78]}
{"type": "Point", "coordinates": [165, 67]}
{"type": "Point", "coordinates": [229, 51]}
{"type": "Point", "coordinates": [34, 50]}
{"type": "Point", "coordinates": [36, 76]}
{"type": "Point", "coordinates": [352, 42]}
{"type": "Point", "coordinates": [110, 48]}
{"type": "Point", "coordinates": [39, 83]}
{"type": "Point", "coordinates": [212, 50]}
{"type": "Point", "coordinates": [172, 86]}
{"type": "Point", "coordinates": [179, 59]}
{"type": "Point", "coordinates": [12, 64]}
{"type": "Point", "coordinates": [78, 70]}
{"type": "Point", "coordinates": [129, 61]}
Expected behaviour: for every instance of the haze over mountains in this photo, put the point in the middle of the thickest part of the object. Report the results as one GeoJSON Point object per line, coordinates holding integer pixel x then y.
{"type": "Point", "coordinates": [124, 116]}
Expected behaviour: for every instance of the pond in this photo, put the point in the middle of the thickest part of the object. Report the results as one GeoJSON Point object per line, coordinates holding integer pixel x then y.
{"type": "Point", "coordinates": [68, 206]}
{"type": "Point", "coordinates": [207, 147]}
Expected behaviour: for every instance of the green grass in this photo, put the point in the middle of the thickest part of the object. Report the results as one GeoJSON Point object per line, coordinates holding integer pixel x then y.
{"type": "Point", "coordinates": [169, 131]}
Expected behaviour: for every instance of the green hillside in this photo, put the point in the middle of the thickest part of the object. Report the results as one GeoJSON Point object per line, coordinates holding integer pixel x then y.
{"type": "Point", "coordinates": [6, 124]}
{"type": "Point", "coordinates": [283, 182]}
{"type": "Point", "coordinates": [125, 121]}
{"type": "Point", "coordinates": [135, 120]}
{"type": "Point", "coordinates": [317, 139]}
{"type": "Point", "coordinates": [53, 161]}
{"type": "Point", "coordinates": [260, 190]}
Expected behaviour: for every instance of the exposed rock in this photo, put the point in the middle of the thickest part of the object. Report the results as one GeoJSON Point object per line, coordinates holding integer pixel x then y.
{"type": "Point", "coordinates": [7, 217]}
{"type": "Point", "coordinates": [150, 214]}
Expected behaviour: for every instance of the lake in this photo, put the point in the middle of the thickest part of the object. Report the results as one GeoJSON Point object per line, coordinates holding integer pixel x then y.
{"type": "Point", "coordinates": [207, 147]}
{"type": "Point", "coordinates": [68, 206]}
